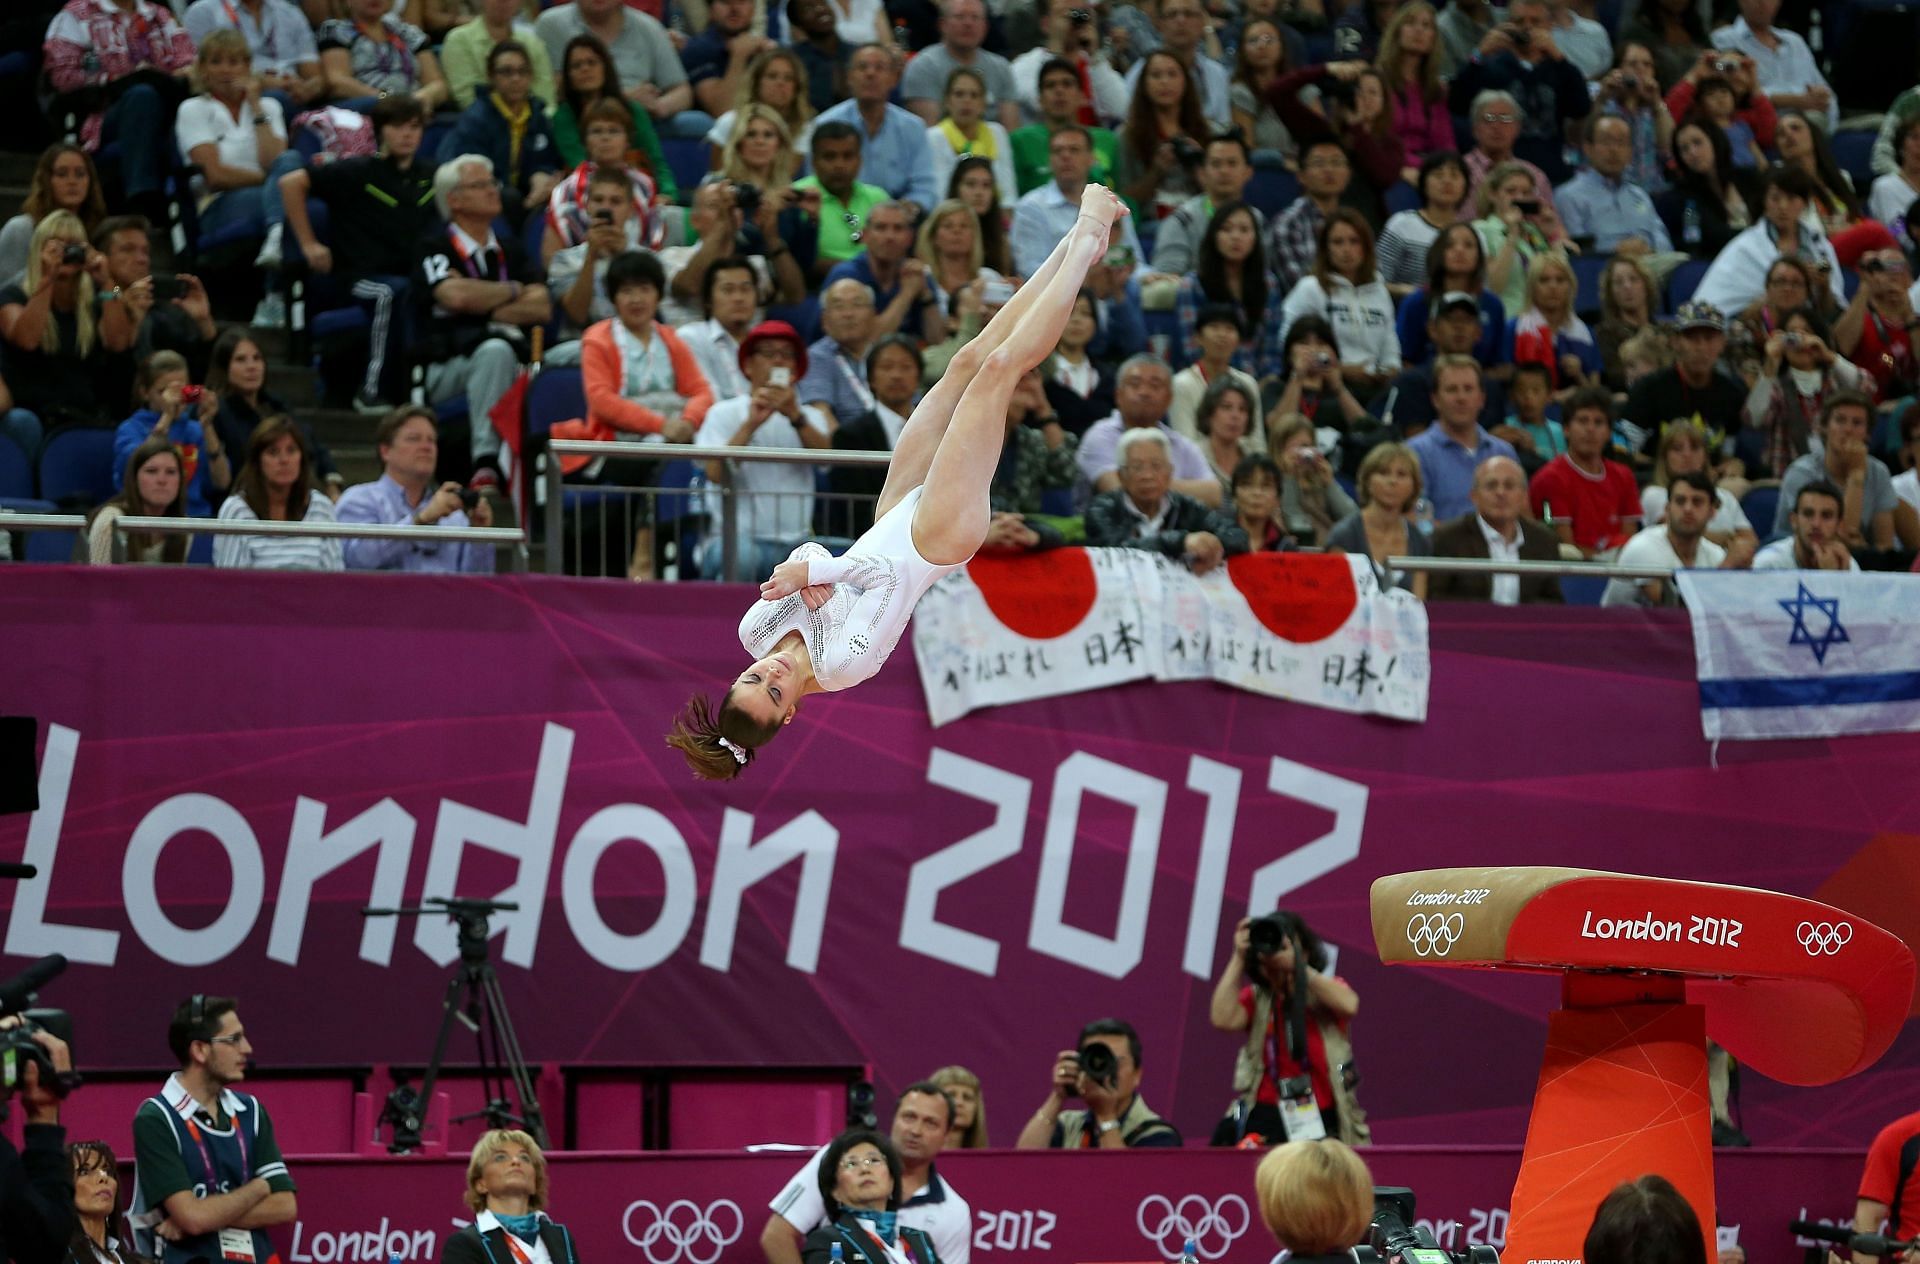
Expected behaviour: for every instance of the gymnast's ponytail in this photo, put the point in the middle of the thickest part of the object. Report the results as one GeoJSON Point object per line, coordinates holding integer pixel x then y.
{"type": "Point", "coordinates": [718, 743]}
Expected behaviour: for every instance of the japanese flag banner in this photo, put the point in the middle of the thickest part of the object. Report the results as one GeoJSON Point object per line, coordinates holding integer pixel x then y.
{"type": "Point", "coordinates": [1313, 628]}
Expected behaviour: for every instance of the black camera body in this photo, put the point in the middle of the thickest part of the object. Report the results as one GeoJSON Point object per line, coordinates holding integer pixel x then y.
{"type": "Point", "coordinates": [1393, 1237]}
{"type": "Point", "coordinates": [18, 1047]}
{"type": "Point", "coordinates": [1267, 935]}
{"type": "Point", "coordinates": [746, 198]}
{"type": "Point", "coordinates": [1188, 151]}
{"type": "Point", "coordinates": [1098, 1064]}
{"type": "Point", "coordinates": [76, 252]}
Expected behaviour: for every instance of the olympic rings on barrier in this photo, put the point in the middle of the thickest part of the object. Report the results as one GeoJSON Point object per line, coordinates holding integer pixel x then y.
{"type": "Point", "coordinates": [1213, 1226]}
{"type": "Point", "coordinates": [683, 1233]}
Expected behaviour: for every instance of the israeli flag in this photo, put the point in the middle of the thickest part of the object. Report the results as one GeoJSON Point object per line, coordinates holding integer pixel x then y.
{"type": "Point", "coordinates": [1805, 653]}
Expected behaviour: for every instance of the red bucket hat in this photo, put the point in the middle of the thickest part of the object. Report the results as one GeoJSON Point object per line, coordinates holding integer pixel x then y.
{"type": "Point", "coordinates": [775, 330]}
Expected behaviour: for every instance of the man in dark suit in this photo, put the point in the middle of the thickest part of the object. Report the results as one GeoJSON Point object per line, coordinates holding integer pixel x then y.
{"type": "Point", "coordinates": [893, 382]}
{"type": "Point", "coordinates": [1497, 527]}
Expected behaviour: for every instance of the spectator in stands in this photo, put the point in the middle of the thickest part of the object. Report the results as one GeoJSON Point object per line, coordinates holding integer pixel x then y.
{"type": "Point", "coordinates": [894, 366]}
{"type": "Point", "coordinates": [950, 249]}
{"type": "Point", "coordinates": [1631, 91]}
{"type": "Point", "coordinates": [1079, 390]}
{"type": "Point", "coordinates": [437, 18]}
{"type": "Point", "coordinates": [1681, 450]}
{"type": "Point", "coordinates": [1868, 500]}
{"type": "Point", "coordinates": [1627, 300]}
{"type": "Point", "coordinates": [200, 1134]}
{"type": "Point", "coordinates": [1389, 488]}
{"type": "Point", "coordinates": [1182, 28]}
{"type": "Point", "coordinates": [716, 59]}
{"type": "Point", "coordinates": [1115, 1116]}
{"type": "Point", "coordinates": [968, 1131]}
{"type": "Point", "coordinates": [1548, 87]}
{"type": "Point", "coordinates": [773, 503]}
{"type": "Point", "coordinates": [1791, 284]}
{"type": "Point", "coordinates": [1315, 384]}
{"type": "Point", "coordinates": [183, 323]}
{"type": "Point", "coordinates": [639, 376]}
{"type": "Point", "coordinates": [1454, 446]}
{"type": "Point", "coordinates": [507, 1191]}
{"type": "Point", "coordinates": [1228, 422]}
{"type": "Point", "coordinates": [1316, 1197]}
{"type": "Point", "coordinates": [1043, 216]}
{"type": "Point", "coordinates": [1262, 58]}
{"type": "Point", "coordinates": [1673, 32]}
{"type": "Point", "coordinates": [1142, 395]}
{"type": "Point", "coordinates": [237, 376]}
{"type": "Point", "coordinates": [1463, 24]}
{"type": "Point", "coordinates": [1231, 269]}
{"type": "Point", "coordinates": [275, 484]}
{"type": "Point", "coordinates": [1720, 87]}
{"type": "Point", "coordinates": [153, 485]}
{"type": "Point", "coordinates": [835, 384]}
{"type": "Point", "coordinates": [1224, 171]}
{"type": "Point", "coordinates": [972, 182]}
{"type": "Point", "coordinates": [63, 180]}
{"type": "Point", "coordinates": [1643, 1221]}
{"type": "Point", "coordinates": [1038, 457]}
{"type": "Point", "coordinates": [138, 54]}
{"type": "Point", "coordinates": [1219, 330]}
{"type": "Point", "coordinates": [577, 276]}
{"type": "Point", "coordinates": [408, 442]}
{"type": "Point", "coordinates": [609, 142]}
{"type": "Point", "coordinates": [1359, 118]}
{"type": "Point", "coordinates": [1497, 122]}
{"type": "Point", "coordinates": [1784, 65]}
{"type": "Point", "coordinates": [1587, 43]}
{"type": "Point", "coordinates": [898, 282]}
{"type": "Point", "coordinates": [1072, 36]}
{"type": "Point", "coordinates": [1515, 229]}
{"type": "Point", "coordinates": [1346, 291]}
{"type": "Point", "coordinates": [1601, 206]}
{"type": "Point", "coordinates": [1453, 328]}
{"type": "Point", "coordinates": [372, 53]}
{"type": "Point", "coordinates": [1876, 330]}
{"type": "Point", "coordinates": [1906, 484]}
{"type": "Point", "coordinates": [1409, 64]}
{"type": "Point", "coordinates": [279, 42]}
{"type": "Point", "coordinates": [587, 77]}
{"type": "Point", "coordinates": [845, 202]}
{"type": "Point", "coordinates": [380, 207]}
{"type": "Point", "coordinates": [760, 153]}
{"type": "Point", "coordinates": [1256, 505]}
{"type": "Point", "coordinates": [1496, 529]}
{"type": "Point", "coordinates": [1537, 437]}
{"type": "Point", "coordinates": [892, 141]}
{"type": "Point", "coordinates": [1815, 514]}
{"type": "Point", "coordinates": [1061, 100]}
{"type": "Point", "coordinates": [1547, 331]}
{"type": "Point", "coordinates": [730, 297]}
{"type": "Point", "coordinates": [1679, 542]}
{"type": "Point", "coordinates": [643, 56]}
{"type": "Point", "coordinates": [1356, 32]}
{"type": "Point", "coordinates": [823, 54]}
{"type": "Point", "coordinates": [1711, 200]}
{"type": "Point", "coordinates": [1160, 142]}
{"type": "Point", "coordinates": [477, 296]}
{"type": "Point", "coordinates": [1409, 235]}
{"type": "Point", "coordinates": [55, 346]}
{"type": "Point", "coordinates": [1293, 238]}
{"type": "Point", "coordinates": [929, 76]}
{"type": "Point", "coordinates": [776, 79]}
{"type": "Point", "coordinates": [1800, 370]}
{"type": "Point", "coordinates": [1893, 193]}
{"type": "Point", "coordinates": [718, 225]}
{"type": "Point", "coordinates": [1144, 512]}
{"type": "Point", "coordinates": [1693, 391]}
{"type": "Point", "coordinates": [1456, 263]}
{"type": "Point", "coordinates": [1592, 502]}
{"type": "Point", "coordinates": [467, 52]}
{"type": "Point", "coordinates": [509, 127]}
{"type": "Point", "coordinates": [1311, 499]}
{"type": "Point", "coordinates": [859, 1176]}
{"type": "Point", "coordinates": [171, 409]}
{"type": "Point", "coordinates": [1803, 147]}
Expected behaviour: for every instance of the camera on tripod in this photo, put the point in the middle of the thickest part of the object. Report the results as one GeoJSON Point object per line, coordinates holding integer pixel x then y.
{"type": "Point", "coordinates": [1395, 1237]}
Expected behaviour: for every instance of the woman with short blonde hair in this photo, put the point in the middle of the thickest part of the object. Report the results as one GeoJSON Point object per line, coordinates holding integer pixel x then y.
{"type": "Point", "coordinates": [962, 1087]}
{"type": "Point", "coordinates": [1316, 1197]}
{"type": "Point", "coordinates": [951, 263]}
{"type": "Point", "coordinates": [1389, 488]}
{"type": "Point", "coordinates": [507, 1192]}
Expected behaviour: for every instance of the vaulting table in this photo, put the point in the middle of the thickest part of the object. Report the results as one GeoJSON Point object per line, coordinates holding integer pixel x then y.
{"type": "Point", "coordinates": [1651, 968]}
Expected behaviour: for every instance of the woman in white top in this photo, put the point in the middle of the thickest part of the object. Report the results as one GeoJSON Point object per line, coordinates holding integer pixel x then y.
{"type": "Point", "coordinates": [828, 623]}
{"type": "Point", "coordinates": [1683, 448]}
{"type": "Point", "coordinates": [156, 487]}
{"type": "Point", "coordinates": [965, 131]}
{"type": "Point", "coordinates": [949, 244]}
{"type": "Point", "coordinates": [862, 22]}
{"type": "Point", "coordinates": [1895, 191]}
{"type": "Point", "coordinates": [1346, 291]}
{"type": "Point", "coordinates": [776, 79]}
{"type": "Point", "coordinates": [235, 136]}
{"type": "Point", "coordinates": [276, 485]}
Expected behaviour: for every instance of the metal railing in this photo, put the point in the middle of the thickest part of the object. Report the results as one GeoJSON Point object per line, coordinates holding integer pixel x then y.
{"type": "Point", "coordinates": [511, 538]}
{"type": "Point", "coordinates": [595, 502]}
{"type": "Point", "coordinates": [1486, 566]}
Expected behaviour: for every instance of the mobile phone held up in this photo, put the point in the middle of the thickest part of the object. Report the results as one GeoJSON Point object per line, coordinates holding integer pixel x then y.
{"type": "Point", "coordinates": [780, 377]}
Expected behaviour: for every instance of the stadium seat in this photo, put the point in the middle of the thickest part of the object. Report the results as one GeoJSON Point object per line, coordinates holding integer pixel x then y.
{"type": "Point", "coordinates": [1057, 501]}
{"type": "Point", "coordinates": [1586, 279]}
{"type": "Point", "coordinates": [1272, 189]}
{"type": "Point", "coordinates": [50, 548]}
{"type": "Point", "coordinates": [1582, 590]}
{"type": "Point", "coordinates": [554, 395]}
{"type": "Point", "coordinates": [1402, 196]}
{"type": "Point", "coordinates": [1853, 150]}
{"type": "Point", "coordinates": [687, 159]}
{"type": "Point", "coordinates": [1163, 325]}
{"type": "Point", "coordinates": [1760, 504]}
{"type": "Point", "coordinates": [1684, 281]}
{"type": "Point", "coordinates": [804, 316]}
{"type": "Point", "coordinates": [16, 472]}
{"type": "Point", "coordinates": [532, 233]}
{"type": "Point", "coordinates": [76, 465]}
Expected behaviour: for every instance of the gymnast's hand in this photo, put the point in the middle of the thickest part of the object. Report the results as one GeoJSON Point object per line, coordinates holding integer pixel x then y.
{"type": "Point", "coordinates": [816, 595]}
{"type": "Point", "coordinates": [788, 578]}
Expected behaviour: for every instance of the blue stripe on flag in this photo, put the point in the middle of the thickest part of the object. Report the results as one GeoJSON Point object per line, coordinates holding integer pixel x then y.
{"type": "Point", "coordinates": [1811, 691]}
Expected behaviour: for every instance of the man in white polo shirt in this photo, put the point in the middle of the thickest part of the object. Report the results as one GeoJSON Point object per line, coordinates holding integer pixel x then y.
{"type": "Point", "coordinates": [927, 1203]}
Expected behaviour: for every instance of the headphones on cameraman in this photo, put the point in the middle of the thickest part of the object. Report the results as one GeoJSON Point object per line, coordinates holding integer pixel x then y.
{"type": "Point", "coordinates": [197, 1009]}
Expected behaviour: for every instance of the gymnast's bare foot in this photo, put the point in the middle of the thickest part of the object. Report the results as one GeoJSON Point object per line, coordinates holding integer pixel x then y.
{"type": "Point", "coordinates": [1102, 205]}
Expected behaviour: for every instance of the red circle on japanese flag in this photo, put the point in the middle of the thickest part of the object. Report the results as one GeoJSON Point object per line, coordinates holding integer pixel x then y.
{"type": "Point", "coordinates": [1038, 595]}
{"type": "Point", "coordinates": [1299, 597]}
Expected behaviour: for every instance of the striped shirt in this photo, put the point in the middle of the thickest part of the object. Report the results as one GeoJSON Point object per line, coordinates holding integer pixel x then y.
{"type": "Point", "coordinates": [277, 552]}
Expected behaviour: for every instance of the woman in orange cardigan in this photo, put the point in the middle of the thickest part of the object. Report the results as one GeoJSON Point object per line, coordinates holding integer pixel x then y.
{"type": "Point", "coordinates": [641, 381]}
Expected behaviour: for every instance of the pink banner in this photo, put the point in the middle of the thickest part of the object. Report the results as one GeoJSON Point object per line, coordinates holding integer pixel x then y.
{"type": "Point", "coordinates": [234, 764]}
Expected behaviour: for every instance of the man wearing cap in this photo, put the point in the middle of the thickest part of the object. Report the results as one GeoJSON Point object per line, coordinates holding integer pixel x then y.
{"type": "Point", "coordinates": [1497, 529]}
{"type": "Point", "coordinates": [1737, 278]}
{"type": "Point", "coordinates": [1453, 329]}
{"type": "Point", "coordinates": [773, 501]}
{"type": "Point", "coordinates": [1451, 449]}
{"type": "Point", "coordinates": [1693, 391]}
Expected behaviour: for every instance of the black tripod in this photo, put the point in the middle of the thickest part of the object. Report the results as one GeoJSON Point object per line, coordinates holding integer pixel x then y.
{"type": "Point", "coordinates": [473, 999]}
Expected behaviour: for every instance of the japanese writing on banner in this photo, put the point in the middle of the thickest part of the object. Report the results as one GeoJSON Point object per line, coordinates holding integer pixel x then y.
{"type": "Point", "coordinates": [1313, 628]}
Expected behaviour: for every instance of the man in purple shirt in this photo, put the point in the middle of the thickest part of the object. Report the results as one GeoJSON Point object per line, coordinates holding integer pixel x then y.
{"type": "Point", "coordinates": [1142, 393]}
{"type": "Point", "coordinates": [409, 445]}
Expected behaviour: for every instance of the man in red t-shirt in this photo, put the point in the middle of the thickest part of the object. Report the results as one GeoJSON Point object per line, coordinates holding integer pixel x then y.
{"type": "Point", "coordinates": [1895, 1154]}
{"type": "Point", "coordinates": [1593, 502]}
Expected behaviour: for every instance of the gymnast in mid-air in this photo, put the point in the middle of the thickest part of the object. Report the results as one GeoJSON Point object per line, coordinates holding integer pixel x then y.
{"type": "Point", "coordinates": [826, 623]}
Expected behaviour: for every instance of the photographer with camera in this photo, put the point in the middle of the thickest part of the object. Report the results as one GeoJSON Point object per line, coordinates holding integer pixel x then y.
{"type": "Point", "coordinates": [408, 441]}
{"type": "Point", "coordinates": [1520, 57]}
{"type": "Point", "coordinates": [730, 220]}
{"type": "Point", "coordinates": [36, 1182]}
{"type": "Point", "coordinates": [1295, 1072]}
{"type": "Point", "coordinates": [1316, 1199]}
{"type": "Point", "coordinates": [211, 1179]}
{"type": "Point", "coordinates": [1104, 1072]}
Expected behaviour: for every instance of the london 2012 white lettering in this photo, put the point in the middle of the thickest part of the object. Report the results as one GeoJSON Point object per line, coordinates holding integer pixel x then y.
{"type": "Point", "coordinates": [1713, 932]}
{"type": "Point", "coordinates": [1013, 1230]}
{"type": "Point", "coordinates": [1447, 899]}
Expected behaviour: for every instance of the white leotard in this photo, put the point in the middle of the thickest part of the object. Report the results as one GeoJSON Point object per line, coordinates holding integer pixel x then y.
{"type": "Point", "coordinates": [876, 583]}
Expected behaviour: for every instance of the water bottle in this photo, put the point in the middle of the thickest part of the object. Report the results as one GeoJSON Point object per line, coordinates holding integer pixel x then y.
{"type": "Point", "coordinates": [837, 1256]}
{"type": "Point", "coordinates": [1423, 516]}
{"type": "Point", "coordinates": [1690, 224]}
{"type": "Point", "coordinates": [1189, 1253]}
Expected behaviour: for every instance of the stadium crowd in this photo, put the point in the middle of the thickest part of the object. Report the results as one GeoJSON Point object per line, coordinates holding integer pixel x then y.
{"type": "Point", "coordinates": [1554, 281]}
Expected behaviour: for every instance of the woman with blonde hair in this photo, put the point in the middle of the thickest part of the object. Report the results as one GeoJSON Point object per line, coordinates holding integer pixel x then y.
{"type": "Point", "coordinates": [968, 1131]}
{"type": "Point", "coordinates": [1316, 1198]}
{"type": "Point", "coordinates": [1409, 65]}
{"type": "Point", "coordinates": [1548, 332]}
{"type": "Point", "coordinates": [52, 341]}
{"type": "Point", "coordinates": [507, 1191]}
{"type": "Point", "coordinates": [760, 151]}
{"type": "Point", "coordinates": [950, 246]}
{"type": "Point", "coordinates": [1389, 484]}
{"type": "Point", "coordinates": [1511, 234]}
{"type": "Point", "coordinates": [777, 79]}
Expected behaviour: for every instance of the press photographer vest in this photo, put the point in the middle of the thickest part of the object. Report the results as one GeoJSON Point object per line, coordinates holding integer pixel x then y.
{"type": "Point", "coordinates": [1250, 1065]}
{"type": "Point", "coordinates": [217, 1162]}
{"type": "Point", "coordinates": [1138, 1121]}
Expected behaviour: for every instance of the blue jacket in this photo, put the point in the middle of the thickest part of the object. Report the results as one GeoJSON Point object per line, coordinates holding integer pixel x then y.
{"type": "Point", "coordinates": [482, 129]}
{"type": "Point", "coordinates": [185, 433]}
